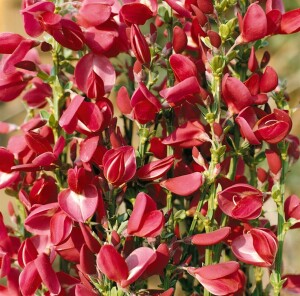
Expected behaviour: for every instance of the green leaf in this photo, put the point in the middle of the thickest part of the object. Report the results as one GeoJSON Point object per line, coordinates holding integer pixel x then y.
{"type": "Point", "coordinates": [180, 215]}
{"type": "Point", "coordinates": [44, 115]}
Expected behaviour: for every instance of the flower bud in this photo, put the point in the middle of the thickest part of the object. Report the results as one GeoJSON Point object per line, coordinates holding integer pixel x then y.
{"type": "Point", "coordinates": [139, 45]}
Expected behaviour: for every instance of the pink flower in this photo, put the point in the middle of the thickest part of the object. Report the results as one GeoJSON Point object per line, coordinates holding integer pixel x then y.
{"type": "Point", "coordinates": [80, 200]}
{"type": "Point", "coordinates": [145, 220]}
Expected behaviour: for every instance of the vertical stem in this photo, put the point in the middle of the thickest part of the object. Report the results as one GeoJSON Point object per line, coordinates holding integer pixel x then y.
{"type": "Point", "coordinates": [276, 280]}
{"type": "Point", "coordinates": [198, 209]}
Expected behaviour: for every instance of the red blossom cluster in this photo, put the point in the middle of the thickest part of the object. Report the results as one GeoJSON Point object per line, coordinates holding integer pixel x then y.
{"type": "Point", "coordinates": [101, 209]}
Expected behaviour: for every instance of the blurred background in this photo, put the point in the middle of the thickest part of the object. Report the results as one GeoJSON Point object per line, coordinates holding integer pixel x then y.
{"type": "Point", "coordinates": [285, 58]}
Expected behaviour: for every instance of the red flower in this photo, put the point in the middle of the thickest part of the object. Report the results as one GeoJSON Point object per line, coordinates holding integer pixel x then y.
{"type": "Point", "coordinates": [254, 24]}
{"type": "Point", "coordinates": [145, 105]}
{"type": "Point", "coordinates": [139, 45]}
{"type": "Point", "coordinates": [210, 238]}
{"type": "Point", "coordinates": [235, 94]}
{"type": "Point", "coordinates": [36, 272]}
{"type": "Point", "coordinates": [189, 134]}
{"type": "Point", "coordinates": [145, 220]}
{"type": "Point", "coordinates": [81, 199]}
{"type": "Point", "coordinates": [181, 91]}
{"type": "Point", "coordinates": [155, 169]}
{"type": "Point", "coordinates": [184, 185]}
{"type": "Point", "coordinates": [124, 271]}
{"type": "Point", "coordinates": [119, 165]}
{"type": "Point", "coordinates": [292, 209]}
{"type": "Point", "coordinates": [94, 13]}
{"type": "Point", "coordinates": [257, 247]}
{"type": "Point", "coordinates": [95, 75]}
{"type": "Point", "coordinates": [38, 17]}
{"type": "Point", "coordinates": [7, 177]}
{"type": "Point", "coordinates": [136, 13]}
{"type": "Point", "coordinates": [241, 201]}
{"type": "Point", "coordinates": [219, 279]}
{"type": "Point", "coordinates": [273, 127]}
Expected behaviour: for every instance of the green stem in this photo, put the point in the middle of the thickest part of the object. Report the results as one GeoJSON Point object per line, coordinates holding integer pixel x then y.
{"type": "Point", "coordinates": [143, 135]}
{"type": "Point", "coordinates": [277, 282]}
{"type": "Point", "coordinates": [197, 212]}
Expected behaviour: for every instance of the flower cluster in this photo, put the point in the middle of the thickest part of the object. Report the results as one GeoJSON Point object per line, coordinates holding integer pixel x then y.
{"type": "Point", "coordinates": [143, 151]}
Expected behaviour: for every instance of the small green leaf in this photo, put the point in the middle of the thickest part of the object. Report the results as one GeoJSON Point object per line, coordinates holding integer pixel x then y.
{"type": "Point", "coordinates": [44, 115]}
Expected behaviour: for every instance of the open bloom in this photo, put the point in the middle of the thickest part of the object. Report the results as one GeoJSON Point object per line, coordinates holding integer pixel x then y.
{"type": "Point", "coordinates": [145, 220]}
{"type": "Point", "coordinates": [241, 201]}
{"type": "Point", "coordinates": [219, 279]}
{"type": "Point", "coordinates": [95, 75]}
{"type": "Point", "coordinates": [189, 134]}
{"type": "Point", "coordinates": [257, 247]}
{"type": "Point", "coordinates": [124, 271]}
{"type": "Point", "coordinates": [80, 200]}
{"type": "Point", "coordinates": [256, 125]}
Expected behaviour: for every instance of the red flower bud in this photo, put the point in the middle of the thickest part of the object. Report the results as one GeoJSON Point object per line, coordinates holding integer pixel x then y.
{"type": "Point", "coordinates": [206, 6]}
{"type": "Point", "coordinates": [214, 38]}
{"type": "Point", "coordinates": [179, 39]}
{"type": "Point", "coordinates": [252, 63]}
{"type": "Point", "coordinates": [274, 163]}
{"type": "Point", "coordinates": [139, 45]}
{"type": "Point", "coordinates": [119, 165]}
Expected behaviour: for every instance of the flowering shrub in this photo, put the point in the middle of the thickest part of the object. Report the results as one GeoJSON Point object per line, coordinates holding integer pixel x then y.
{"type": "Point", "coordinates": [150, 146]}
